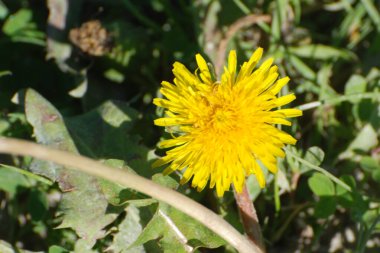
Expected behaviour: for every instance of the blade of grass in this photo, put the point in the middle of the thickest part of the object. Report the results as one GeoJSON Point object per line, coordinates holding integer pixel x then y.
{"type": "Point", "coordinates": [366, 28]}
{"type": "Point", "coordinates": [297, 10]}
{"type": "Point", "coordinates": [366, 234]}
{"type": "Point", "coordinates": [372, 12]}
{"type": "Point", "coordinates": [276, 25]}
{"type": "Point", "coordinates": [351, 21]}
{"type": "Point", "coordinates": [282, 8]}
{"type": "Point", "coordinates": [242, 7]}
{"type": "Point", "coordinates": [302, 68]}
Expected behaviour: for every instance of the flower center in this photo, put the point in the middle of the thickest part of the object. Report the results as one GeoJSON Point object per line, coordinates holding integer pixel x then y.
{"type": "Point", "coordinates": [222, 118]}
{"type": "Point", "coordinates": [217, 115]}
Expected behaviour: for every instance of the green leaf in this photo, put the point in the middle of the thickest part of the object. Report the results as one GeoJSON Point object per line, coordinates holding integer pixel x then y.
{"type": "Point", "coordinates": [3, 10]}
{"type": "Point", "coordinates": [365, 140]}
{"type": "Point", "coordinates": [177, 232]}
{"type": "Point", "coordinates": [321, 185]}
{"type": "Point", "coordinates": [27, 174]}
{"type": "Point", "coordinates": [344, 197]}
{"type": "Point", "coordinates": [349, 180]}
{"type": "Point", "coordinates": [376, 175]}
{"type": "Point", "coordinates": [4, 126]}
{"type": "Point", "coordinates": [57, 249]}
{"type": "Point", "coordinates": [95, 132]}
{"type": "Point", "coordinates": [11, 181]}
{"type": "Point", "coordinates": [27, 39]}
{"type": "Point", "coordinates": [84, 206]}
{"type": "Point", "coordinates": [82, 246]}
{"type": "Point", "coordinates": [20, 28]}
{"type": "Point", "coordinates": [166, 181]}
{"type": "Point", "coordinates": [49, 129]}
{"type": "Point", "coordinates": [116, 194]}
{"type": "Point", "coordinates": [321, 52]}
{"type": "Point", "coordinates": [37, 204]}
{"type": "Point", "coordinates": [372, 166]}
{"type": "Point", "coordinates": [104, 133]}
{"type": "Point", "coordinates": [371, 216]}
{"type": "Point", "coordinates": [359, 207]}
{"type": "Point", "coordinates": [128, 231]}
{"type": "Point", "coordinates": [356, 84]}
{"type": "Point", "coordinates": [315, 156]}
{"type": "Point", "coordinates": [325, 207]}
{"type": "Point", "coordinates": [114, 75]}
{"type": "Point", "coordinates": [18, 21]}
{"type": "Point", "coordinates": [5, 73]}
{"type": "Point", "coordinates": [8, 248]}
{"type": "Point", "coordinates": [369, 164]}
{"type": "Point", "coordinates": [253, 187]}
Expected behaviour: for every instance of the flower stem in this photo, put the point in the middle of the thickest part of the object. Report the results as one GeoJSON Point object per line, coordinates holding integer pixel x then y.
{"type": "Point", "coordinates": [249, 218]}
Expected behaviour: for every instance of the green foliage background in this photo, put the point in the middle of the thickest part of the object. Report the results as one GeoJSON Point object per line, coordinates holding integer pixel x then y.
{"type": "Point", "coordinates": [53, 93]}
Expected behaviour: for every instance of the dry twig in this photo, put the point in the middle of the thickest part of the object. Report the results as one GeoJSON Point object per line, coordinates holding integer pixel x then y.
{"type": "Point", "coordinates": [136, 182]}
{"type": "Point", "coordinates": [232, 30]}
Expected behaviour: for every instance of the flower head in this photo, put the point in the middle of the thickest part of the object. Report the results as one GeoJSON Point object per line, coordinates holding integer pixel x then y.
{"type": "Point", "coordinates": [223, 128]}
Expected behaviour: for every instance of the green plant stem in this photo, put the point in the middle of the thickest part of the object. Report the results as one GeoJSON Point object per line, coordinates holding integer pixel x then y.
{"type": "Point", "coordinates": [337, 100]}
{"type": "Point", "coordinates": [249, 217]}
{"type": "Point", "coordinates": [242, 7]}
{"type": "Point", "coordinates": [277, 201]}
{"type": "Point", "coordinates": [319, 169]}
{"type": "Point", "coordinates": [136, 182]}
{"type": "Point", "coordinates": [365, 233]}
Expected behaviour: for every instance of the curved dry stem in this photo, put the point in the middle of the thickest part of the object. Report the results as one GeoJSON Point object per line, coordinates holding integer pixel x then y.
{"type": "Point", "coordinates": [232, 30]}
{"type": "Point", "coordinates": [136, 182]}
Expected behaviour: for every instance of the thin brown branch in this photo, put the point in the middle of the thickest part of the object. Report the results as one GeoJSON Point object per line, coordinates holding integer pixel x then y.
{"type": "Point", "coordinates": [249, 218]}
{"type": "Point", "coordinates": [136, 182]}
{"type": "Point", "coordinates": [232, 30]}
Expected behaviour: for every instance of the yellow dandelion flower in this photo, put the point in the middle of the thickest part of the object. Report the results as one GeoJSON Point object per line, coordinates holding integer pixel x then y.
{"type": "Point", "coordinates": [225, 127]}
